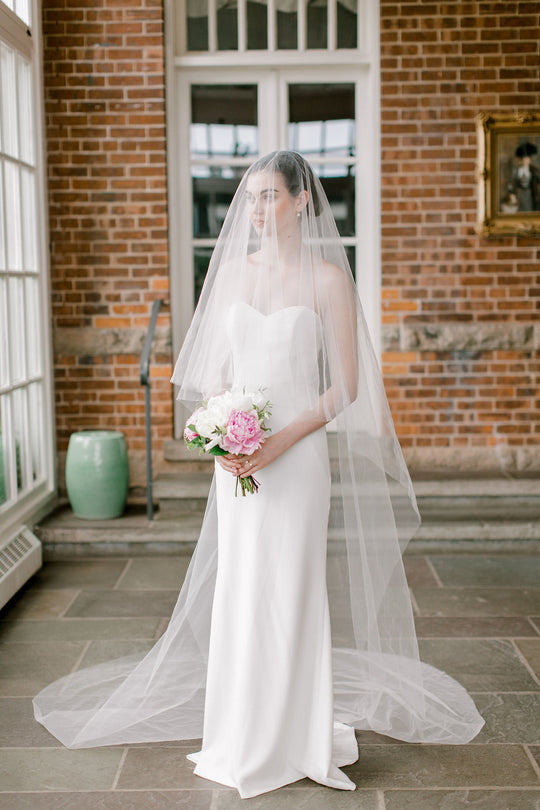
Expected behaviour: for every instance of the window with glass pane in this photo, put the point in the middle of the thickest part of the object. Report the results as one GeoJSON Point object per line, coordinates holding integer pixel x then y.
{"type": "Point", "coordinates": [347, 23]}
{"type": "Point", "coordinates": [224, 141]}
{"type": "Point", "coordinates": [197, 25]}
{"type": "Point", "coordinates": [21, 9]}
{"type": "Point", "coordinates": [22, 428]}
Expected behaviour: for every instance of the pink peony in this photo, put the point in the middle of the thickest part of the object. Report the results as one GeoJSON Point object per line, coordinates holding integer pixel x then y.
{"type": "Point", "coordinates": [244, 433]}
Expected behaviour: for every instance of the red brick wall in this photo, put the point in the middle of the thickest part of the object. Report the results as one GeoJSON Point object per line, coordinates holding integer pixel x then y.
{"type": "Point", "coordinates": [442, 63]}
{"type": "Point", "coordinates": [105, 126]}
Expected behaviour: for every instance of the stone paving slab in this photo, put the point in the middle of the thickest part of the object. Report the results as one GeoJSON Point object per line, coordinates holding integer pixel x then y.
{"type": "Point", "coordinates": [473, 627]}
{"type": "Point", "coordinates": [18, 727]}
{"type": "Point", "coordinates": [161, 768]}
{"type": "Point", "coordinates": [24, 769]}
{"type": "Point", "coordinates": [419, 573]}
{"type": "Point", "coordinates": [493, 572]}
{"type": "Point", "coordinates": [510, 718]}
{"type": "Point", "coordinates": [78, 629]}
{"type": "Point", "coordinates": [531, 650]}
{"type": "Point", "coordinates": [79, 574]}
{"type": "Point", "coordinates": [426, 766]}
{"type": "Point", "coordinates": [462, 800]}
{"type": "Point", "coordinates": [481, 623]}
{"type": "Point", "coordinates": [121, 604]}
{"type": "Point", "coordinates": [110, 800]}
{"type": "Point", "coordinates": [487, 665]}
{"type": "Point", "coordinates": [37, 603]}
{"type": "Point", "coordinates": [155, 573]}
{"type": "Point", "coordinates": [306, 798]}
{"type": "Point", "coordinates": [100, 651]}
{"type": "Point", "coordinates": [477, 601]}
{"type": "Point", "coordinates": [27, 668]}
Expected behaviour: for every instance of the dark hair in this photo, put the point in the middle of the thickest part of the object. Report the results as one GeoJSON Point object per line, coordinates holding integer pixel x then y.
{"type": "Point", "coordinates": [296, 172]}
{"type": "Point", "coordinates": [526, 149]}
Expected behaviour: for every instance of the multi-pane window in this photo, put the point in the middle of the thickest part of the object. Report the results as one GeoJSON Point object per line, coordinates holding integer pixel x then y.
{"type": "Point", "coordinates": [25, 430]}
{"type": "Point", "coordinates": [274, 25]}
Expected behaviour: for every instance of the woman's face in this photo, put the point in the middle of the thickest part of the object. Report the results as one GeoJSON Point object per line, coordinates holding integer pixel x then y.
{"type": "Point", "coordinates": [268, 198]}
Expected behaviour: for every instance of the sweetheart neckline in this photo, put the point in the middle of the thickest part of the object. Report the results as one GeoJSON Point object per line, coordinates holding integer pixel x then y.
{"type": "Point", "coordinates": [278, 311]}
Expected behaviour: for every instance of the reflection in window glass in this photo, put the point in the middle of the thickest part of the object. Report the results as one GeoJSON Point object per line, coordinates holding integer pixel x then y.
{"type": "Point", "coordinates": [19, 414]}
{"type": "Point", "coordinates": [33, 319]}
{"type": "Point", "coordinates": [347, 24]}
{"type": "Point", "coordinates": [227, 26]}
{"type": "Point", "coordinates": [4, 377]}
{"type": "Point", "coordinates": [3, 256]}
{"type": "Point", "coordinates": [28, 223]}
{"type": "Point", "coordinates": [24, 97]}
{"type": "Point", "coordinates": [4, 451]}
{"type": "Point", "coordinates": [13, 216]}
{"type": "Point", "coordinates": [322, 120]}
{"type": "Point", "coordinates": [340, 190]}
{"type": "Point", "coordinates": [287, 29]}
{"type": "Point", "coordinates": [224, 121]}
{"type": "Point", "coordinates": [213, 190]}
{"type": "Point", "coordinates": [197, 25]}
{"type": "Point", "coordinates": [8, 101]}
{"type": "Point", "coordinates": [257, 26]}
{"type": "Point", "coordinates": [35, 418]}
{"type": "Point", "coordinates": [201, 260]}
{"type": "Point", "coordinates": [17, 329]}
{"type": "Point", "coordinates": [22, 10]}
{"type": "Point", "coordinates": [317, 24]}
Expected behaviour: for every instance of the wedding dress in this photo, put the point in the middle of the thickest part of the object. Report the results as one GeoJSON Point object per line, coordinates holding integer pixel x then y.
{"type": "Point", "coordinates": [269, 713]}
{"type": "Point", "coordinates": [294, 623]}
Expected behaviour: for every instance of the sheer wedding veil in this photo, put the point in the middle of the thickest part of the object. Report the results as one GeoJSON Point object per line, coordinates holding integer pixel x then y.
{"type": "Point", "coordinates": [279, 248]}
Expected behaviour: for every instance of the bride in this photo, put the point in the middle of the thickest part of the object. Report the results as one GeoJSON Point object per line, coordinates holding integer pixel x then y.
{"type": "Point", "coordinates": [294, 624]}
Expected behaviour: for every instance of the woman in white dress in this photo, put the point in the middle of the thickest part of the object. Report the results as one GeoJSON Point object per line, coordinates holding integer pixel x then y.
{"type": "Point", "coordinates": [294, 624]}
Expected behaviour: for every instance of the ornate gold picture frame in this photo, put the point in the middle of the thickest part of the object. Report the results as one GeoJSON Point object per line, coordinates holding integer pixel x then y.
{"type": "Point", "coordinates": [508, 173]}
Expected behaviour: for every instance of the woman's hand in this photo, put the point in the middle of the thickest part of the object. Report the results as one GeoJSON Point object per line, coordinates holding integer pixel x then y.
{"type": "Point", "coordinates": [271, 448]}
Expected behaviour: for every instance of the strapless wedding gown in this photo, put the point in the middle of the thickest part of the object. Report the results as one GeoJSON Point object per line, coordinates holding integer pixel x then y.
{"type": "Point", "coordinates": [269, 707]}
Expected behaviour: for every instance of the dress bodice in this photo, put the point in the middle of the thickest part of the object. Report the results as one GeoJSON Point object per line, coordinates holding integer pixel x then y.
{"type": "Point", "coordinates": [278, 352]}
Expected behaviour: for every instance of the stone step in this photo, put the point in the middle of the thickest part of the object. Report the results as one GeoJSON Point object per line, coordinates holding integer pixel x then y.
{"type": "Point", "coordinates": [64, 535]}
{"type": "Point", "coordinates": [517, 501]}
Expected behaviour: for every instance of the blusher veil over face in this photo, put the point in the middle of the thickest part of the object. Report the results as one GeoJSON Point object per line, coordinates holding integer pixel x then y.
{"type": "Point", "coordinates": [279, 248]}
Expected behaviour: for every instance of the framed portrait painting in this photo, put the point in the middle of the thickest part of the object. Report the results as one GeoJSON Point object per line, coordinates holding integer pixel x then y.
{"type": "Point", "coordinates": [508, 173]}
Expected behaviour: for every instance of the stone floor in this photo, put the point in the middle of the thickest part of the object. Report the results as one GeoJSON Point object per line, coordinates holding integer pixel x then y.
{"type": "Point", "coordinates": [478, 617]}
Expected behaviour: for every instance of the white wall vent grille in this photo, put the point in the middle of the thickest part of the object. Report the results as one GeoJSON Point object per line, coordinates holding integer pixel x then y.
{"type": "Point", "coordinates": [20, 557]}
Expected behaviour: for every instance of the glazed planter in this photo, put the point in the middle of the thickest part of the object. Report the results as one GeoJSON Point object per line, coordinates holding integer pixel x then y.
{"type": "Point", "coordinates": [97, 474]}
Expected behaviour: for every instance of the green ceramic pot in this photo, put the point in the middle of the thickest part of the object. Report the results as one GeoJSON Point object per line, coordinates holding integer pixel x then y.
{"type": "Point", "coordinates": [97, 474]}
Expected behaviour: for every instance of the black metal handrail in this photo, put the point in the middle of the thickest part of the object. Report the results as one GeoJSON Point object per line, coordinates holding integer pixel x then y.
{"type": "Point", "coordinates": [145, 380]}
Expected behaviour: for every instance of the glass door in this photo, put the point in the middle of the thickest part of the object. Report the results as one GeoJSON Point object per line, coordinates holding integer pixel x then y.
{"type": "Point", "coordinates": [231, 118]}
{"type": "Point", "coordinates": [26, 427]}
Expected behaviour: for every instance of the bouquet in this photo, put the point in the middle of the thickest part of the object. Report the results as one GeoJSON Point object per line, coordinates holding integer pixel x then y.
{"type": "Point", "coordinates": [233, 422]}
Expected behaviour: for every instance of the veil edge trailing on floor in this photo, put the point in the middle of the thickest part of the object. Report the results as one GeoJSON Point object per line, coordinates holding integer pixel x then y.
{"type": "Point", "coordinates": [379, 681]}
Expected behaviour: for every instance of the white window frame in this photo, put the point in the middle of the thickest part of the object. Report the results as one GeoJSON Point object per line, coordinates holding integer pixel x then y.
{"type": "Point", "coordinates": [32, 505]}
{"type": "Point", "coordinates": [262, 67]}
